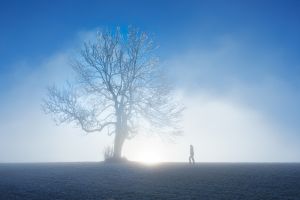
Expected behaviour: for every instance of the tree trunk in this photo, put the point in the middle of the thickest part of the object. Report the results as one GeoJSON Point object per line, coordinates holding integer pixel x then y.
{"type": "Point", "coordinates": [121, 133]}
{"type": "Point", "coordinates": [118, 144]}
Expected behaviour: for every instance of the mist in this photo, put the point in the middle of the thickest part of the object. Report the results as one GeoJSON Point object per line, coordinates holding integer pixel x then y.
{"type": "Point", "coordinates": [239, 108]}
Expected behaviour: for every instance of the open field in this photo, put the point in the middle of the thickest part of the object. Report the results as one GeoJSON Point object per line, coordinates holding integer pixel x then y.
{"type": "Point", "coordinates": [165, 181]}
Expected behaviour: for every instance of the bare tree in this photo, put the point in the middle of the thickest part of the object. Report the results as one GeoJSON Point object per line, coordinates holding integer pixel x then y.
{"type": "Point", "coordinates": [119, 89]}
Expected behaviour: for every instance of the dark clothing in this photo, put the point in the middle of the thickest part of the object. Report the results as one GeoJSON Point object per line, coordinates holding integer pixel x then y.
{"type": "Point", "coordinates": [191, 158]}
{"type": "Point", "coordinates": [191, 151]}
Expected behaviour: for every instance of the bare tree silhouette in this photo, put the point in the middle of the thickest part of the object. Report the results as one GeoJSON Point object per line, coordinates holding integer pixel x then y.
{"type": "Point", "coordinates": [119, 89]}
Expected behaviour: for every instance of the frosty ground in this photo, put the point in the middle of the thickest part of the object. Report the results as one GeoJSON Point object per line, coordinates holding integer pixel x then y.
{"type": "Point", "coordinates": [136, 181]}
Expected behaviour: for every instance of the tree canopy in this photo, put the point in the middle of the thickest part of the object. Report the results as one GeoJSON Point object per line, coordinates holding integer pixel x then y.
{"type": "Point", "coordinates": [120, 89]}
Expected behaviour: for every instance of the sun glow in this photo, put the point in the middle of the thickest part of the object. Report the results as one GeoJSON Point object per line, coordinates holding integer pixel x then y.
{"type": "Point", "coordinates": [149, 156]}
{"type": "Point", "coordinates": [148, 151]}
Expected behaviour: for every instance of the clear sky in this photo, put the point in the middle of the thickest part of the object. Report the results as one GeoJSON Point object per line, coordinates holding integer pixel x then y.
{"type": "Point", "coordinates": [235, 63]}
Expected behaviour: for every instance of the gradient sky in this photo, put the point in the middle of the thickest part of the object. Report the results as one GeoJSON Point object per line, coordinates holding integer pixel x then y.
{"type": "Point", "coordinates": [236, 65]}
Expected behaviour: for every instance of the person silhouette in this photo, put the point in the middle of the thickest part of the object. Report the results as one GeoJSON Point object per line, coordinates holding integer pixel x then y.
{"type": "Point", "coordinates": [191, 158]}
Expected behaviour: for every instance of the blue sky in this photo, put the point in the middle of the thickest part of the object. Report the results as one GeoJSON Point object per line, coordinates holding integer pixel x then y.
{"type": "Point", "coordinates": [238, 57]}
{"type": "Point", "coordinates": [31, 30]}
{"type": "Point", "coordinates": [34, 29]}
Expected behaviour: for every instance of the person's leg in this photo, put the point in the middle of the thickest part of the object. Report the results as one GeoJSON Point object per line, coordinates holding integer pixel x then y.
{"type": "Point", "coordinates": [193, 160]}
{"type": "Point", "coordinates": [190, 160]}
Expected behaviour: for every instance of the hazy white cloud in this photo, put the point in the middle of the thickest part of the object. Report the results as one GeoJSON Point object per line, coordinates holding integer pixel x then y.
{"type": "Point", "coordinates": [26, 133]}
{"type": "Point", "coordinates": [238, 108]}
{"type": "Point", "coordinates": [221, 131]}
{"type": "Point", "coordinates": [227, 131]}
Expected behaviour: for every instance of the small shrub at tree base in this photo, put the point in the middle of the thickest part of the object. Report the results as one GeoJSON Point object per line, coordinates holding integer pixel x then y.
{"type": "Point", "coordinates": [108, 153]}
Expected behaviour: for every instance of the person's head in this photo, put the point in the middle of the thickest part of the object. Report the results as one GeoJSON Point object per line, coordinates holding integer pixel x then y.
{"type": "Point", "coordinates": [191, 146]}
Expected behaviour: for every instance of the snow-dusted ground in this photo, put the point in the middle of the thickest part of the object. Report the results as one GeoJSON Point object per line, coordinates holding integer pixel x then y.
{"type": "Point", "coordinates": [132, 181]}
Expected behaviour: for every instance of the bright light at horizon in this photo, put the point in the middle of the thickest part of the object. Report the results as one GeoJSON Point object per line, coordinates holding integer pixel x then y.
{"type": "Point", "coordinates": [148, 151]}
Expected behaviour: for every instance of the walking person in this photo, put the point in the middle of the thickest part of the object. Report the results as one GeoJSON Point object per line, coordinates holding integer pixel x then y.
{"type": "Point", "coordinates": [191, 158]}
